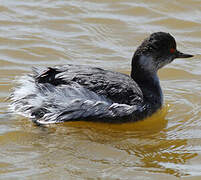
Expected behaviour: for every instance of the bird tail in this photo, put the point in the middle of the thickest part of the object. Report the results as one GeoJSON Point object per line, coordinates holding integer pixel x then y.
{"type": "Point", "coordinates": [45, 103]}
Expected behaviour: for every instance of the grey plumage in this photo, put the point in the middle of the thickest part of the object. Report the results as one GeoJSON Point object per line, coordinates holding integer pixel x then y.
{"type": "Point", "coordinates": [46, 103]}
{"type": "Point", "coordinates": [77, 92]}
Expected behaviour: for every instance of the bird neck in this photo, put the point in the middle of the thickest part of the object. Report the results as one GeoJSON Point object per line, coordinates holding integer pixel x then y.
{"type": "Point", "coordinates": [147, 79]}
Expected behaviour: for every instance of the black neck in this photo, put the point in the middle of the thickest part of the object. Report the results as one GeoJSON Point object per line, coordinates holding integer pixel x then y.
{"type": "Point", "coordinates": [149, 84]}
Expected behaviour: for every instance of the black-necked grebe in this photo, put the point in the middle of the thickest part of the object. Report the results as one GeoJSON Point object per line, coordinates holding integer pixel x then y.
{"type": "Point", "coordinates": [78, 92]}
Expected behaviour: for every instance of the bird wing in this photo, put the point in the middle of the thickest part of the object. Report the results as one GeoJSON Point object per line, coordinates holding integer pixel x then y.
{"type": "Point", "coordinates": [45, 103]}
{"type": "Point", "coordinates": [117, 87]}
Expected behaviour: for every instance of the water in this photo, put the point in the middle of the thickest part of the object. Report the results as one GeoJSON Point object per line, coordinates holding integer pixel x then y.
{"type": "Point", "coordinates": [105, 34]}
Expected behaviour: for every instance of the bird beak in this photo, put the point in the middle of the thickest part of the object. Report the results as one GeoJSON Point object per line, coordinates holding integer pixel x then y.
{"type": "Point", "coordinates": [182, 55]}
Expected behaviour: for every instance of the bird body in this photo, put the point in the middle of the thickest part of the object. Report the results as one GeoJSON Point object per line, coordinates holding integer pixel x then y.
{"type": "Point", "coordinates": [79, 92]}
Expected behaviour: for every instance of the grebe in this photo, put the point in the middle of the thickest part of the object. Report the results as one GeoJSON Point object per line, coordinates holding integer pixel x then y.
{"type": "Point", "coordinates": [79, 92]}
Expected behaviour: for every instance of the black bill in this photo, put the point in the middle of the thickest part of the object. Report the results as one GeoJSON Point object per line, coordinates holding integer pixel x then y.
{"type": "Point", "coordinates": [182, 55]}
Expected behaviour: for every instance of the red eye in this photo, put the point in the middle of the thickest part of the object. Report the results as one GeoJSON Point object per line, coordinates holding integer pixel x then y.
{"type": "Point", "coordinates": [172, 50]}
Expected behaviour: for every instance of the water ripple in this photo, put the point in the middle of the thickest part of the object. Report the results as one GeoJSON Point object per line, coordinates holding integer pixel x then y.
{"type": "Point", "coordinates": [102, 33]}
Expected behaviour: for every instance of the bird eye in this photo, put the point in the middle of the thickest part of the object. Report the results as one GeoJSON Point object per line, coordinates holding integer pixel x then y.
{"type": "Point", "coordinates": [172, 50]}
